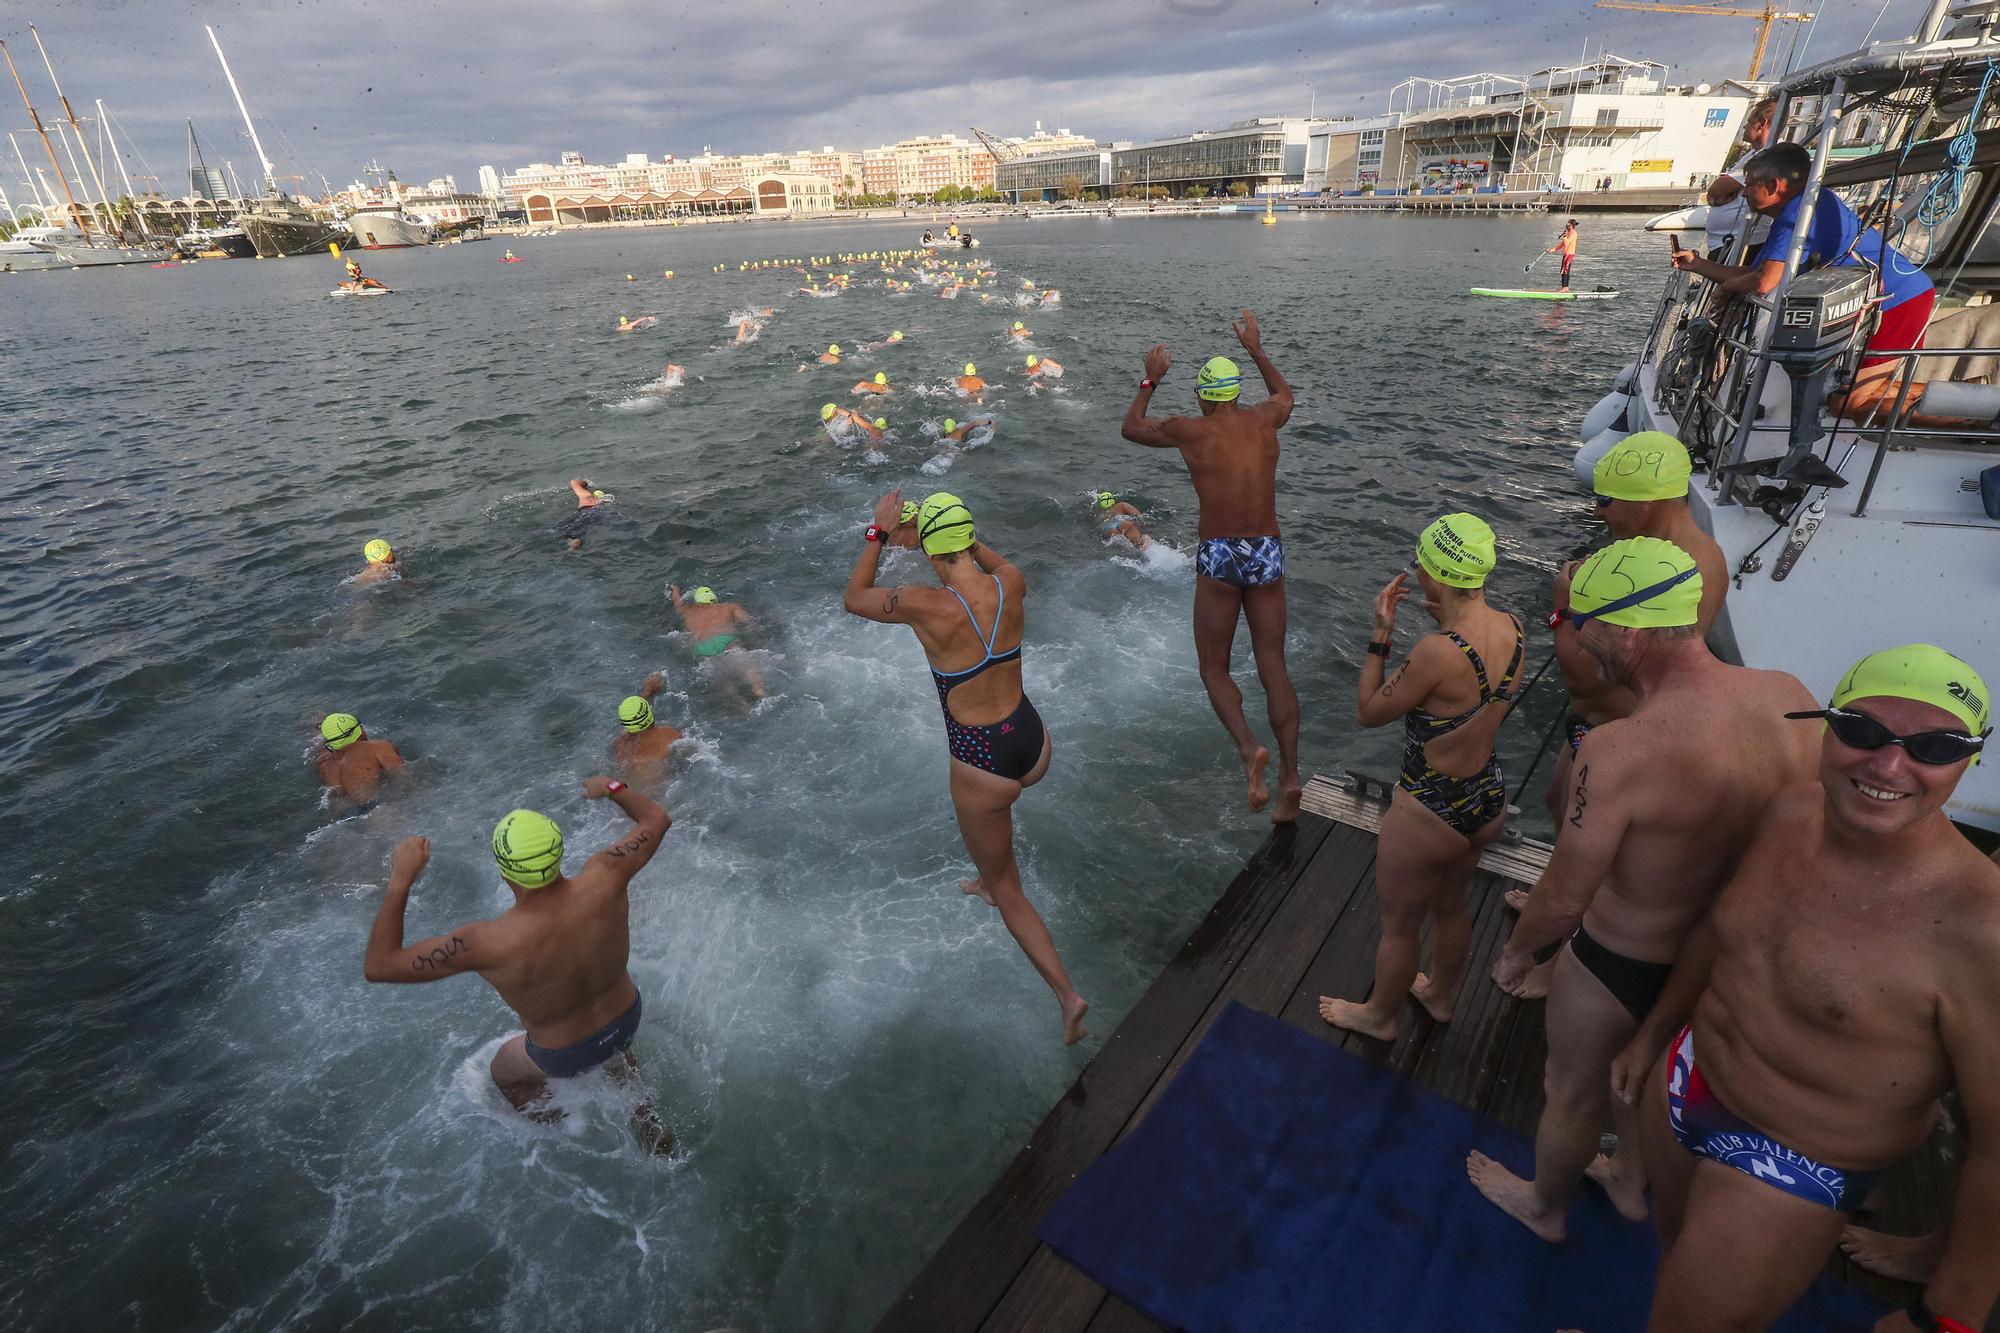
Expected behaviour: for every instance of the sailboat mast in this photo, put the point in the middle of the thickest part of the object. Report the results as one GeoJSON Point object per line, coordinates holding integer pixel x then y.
{"type": "Point", "coordinates": [69, 151]}
{"type": "Point", "coordinates": [81, 142]}
{"type": "Point", "coordinates": [104, 119]}
{"type": "Point", "coordinates": [79, 214]}
{"type": "Point", "coordinates": [270, 171]}
{"type": "Point", "coordinates": [8, 204]}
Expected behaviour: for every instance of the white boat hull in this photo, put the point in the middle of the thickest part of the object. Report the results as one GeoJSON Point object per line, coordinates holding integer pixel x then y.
{"type": "Point", "coordinates": [94, 256]}
{"type": "Point", "coordinates": [1694, 218]}
{"type": "Point", "coordinates": [388, 231]}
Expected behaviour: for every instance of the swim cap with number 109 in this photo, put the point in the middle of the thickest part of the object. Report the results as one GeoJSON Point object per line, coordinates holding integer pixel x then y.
{"type": "Point", "coordinates": [1649, 465]}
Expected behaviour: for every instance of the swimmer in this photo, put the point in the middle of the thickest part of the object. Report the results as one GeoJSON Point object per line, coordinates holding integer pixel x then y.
{"type": "Point", "coordinates": [831, 356]}
{"type": "Point", "coordinates": [997, 744]}
{"type": "Point", "coordinates": [878, 385]}
{"type": "Point", "coordinates": [896, 336]}
{"type": "Point", "coordinates": [1847, 978]}
{"type": "Point", "coordinates": [714, 627]}
{"type": "Point", "coordinates": [970, 384]}
{"type": "Point", "coordinates": [1231, 454]}
{"type": "Point", "coordinates": [1042, 368]}
{"type": "Point", "coordinates": [351, 763]}
{"type": "Point", "coordinates": [642, 743]}
{"type": "Point", "coordinates": [904, 534]}
{"type": "Point", "coordinates": [382, 565]}
{"type": "Point", "coordinates": [588, 501]}
{"type": "Point", "coordinates": [673, 376]}
{"type": "Point", "coordinates": [1020, 331]}
{"type": "Point", "coordinates": [1121, 519]}
{"type": "Point", "coordinates": [558, 956]}
{"type": "Point", "coordinates": [587, 496]}
{"type": "Point", "coordinates": [747, 331]}
{"type": "Point", "coordinates": [839, 420]}
{"type": "Point", "coordinates": [1051, 297]}
{"type": "Point", "coordinates": [956, 432]}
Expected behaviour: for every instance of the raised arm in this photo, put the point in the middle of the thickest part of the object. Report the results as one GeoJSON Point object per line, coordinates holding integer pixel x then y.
{"type": "Point", "coordinates": [1379, 700]}
{"type": "Point", "coordinates": [628, 856]}
{"type": "Point", "coordinates": [388, 959]}
{"type": "Point", "coordinates": [1595, 817]}
{"type": "Point", "coordinates": [1967, 1281]}
{"type": "Point", "coordinates": [863, 598]}
{"type": "Point", "coordinates": [1155, 432]}
{"type": "Point", "coordinates": [1280, 402]}
{"type": "Point", "coordinates": [991, 561]}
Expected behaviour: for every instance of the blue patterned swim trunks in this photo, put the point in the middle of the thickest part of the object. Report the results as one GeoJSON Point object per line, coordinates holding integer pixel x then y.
{"type": "Point", "coordinates": [1241, 562]}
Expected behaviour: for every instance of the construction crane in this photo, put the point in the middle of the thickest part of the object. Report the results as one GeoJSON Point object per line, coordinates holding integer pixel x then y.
{"type": "Point", "coordinates": [1001, 149]}
{"type": "Point", "coordinates": [1766, 15]}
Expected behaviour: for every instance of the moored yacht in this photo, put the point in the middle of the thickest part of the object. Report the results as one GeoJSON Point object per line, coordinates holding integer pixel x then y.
{"type": "Point", "coordinates": [387, 227]}
{"type": "Point", "coordinates": [1849, 537]}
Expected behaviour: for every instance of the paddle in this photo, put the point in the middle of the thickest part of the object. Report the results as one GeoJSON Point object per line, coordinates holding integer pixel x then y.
{"type": "Point", "coordinates": [1529, 267]}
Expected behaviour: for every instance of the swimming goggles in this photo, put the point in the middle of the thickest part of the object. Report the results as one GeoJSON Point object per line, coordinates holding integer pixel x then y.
{"type": "Point", "coordinates": [1630, 599]}
{"type": "Point", "coordinates": [1862, 732]}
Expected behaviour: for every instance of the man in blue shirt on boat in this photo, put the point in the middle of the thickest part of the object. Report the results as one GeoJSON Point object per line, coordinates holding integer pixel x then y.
{"type": "Point", "coordinates": [1774, 183]}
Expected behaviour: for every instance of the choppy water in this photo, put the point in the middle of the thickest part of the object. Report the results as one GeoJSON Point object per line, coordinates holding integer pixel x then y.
{"type": "Point", "coordinates": [210, 1120]}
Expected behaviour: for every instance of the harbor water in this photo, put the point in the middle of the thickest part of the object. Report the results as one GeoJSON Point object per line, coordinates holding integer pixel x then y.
{"type": "Point", "coordinates": [211, 1121]}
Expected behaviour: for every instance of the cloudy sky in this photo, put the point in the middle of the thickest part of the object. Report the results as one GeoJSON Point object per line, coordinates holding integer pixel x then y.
{"type": "Point", "coordinates": [436, 86]}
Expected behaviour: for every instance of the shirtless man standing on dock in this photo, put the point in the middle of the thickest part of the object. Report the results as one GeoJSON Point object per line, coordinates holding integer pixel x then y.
{"type": "Point", "coordinates": [1662, 804]}
{"type": "Point", "coordinates": [1848, 977]}
{"type": "Point", "coordinates": [1231, 453]}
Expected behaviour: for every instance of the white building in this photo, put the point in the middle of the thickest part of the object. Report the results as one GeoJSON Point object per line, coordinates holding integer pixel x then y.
{"type": "Point", "coordinates": [1265, 154]}
{"type": "Point", "coordinates": [489, 182]}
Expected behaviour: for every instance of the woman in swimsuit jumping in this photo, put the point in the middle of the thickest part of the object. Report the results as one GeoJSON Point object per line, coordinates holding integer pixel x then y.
{"type": "Point", "coordinates": [1451, 799]}
{"type": "Point", "coordinates": [995, 737]}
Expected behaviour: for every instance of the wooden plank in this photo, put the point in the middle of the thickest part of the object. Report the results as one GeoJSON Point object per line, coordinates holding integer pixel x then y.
{"type": "Point", "coordinates": [1118, 1317]}
{"type": "Point", "coordinates": [972, 1269]}
{"type": "Point", "coordinates": [1523, 861]}
{"type": "Point", "coordinates": [1051, 1295]}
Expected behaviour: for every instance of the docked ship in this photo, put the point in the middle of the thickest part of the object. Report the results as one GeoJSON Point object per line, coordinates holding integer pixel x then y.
{"type": "Point", "coordinates": [1849, 537]}
{"type": "Point", "coordinates": [22, 253]}
{"type": "Point", "coordinates": [278, 225]}
{"type": "Point", "coordinates": [387, 227]}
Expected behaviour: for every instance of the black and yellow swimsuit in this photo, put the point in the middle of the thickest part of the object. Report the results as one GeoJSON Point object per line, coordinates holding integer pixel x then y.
{"type": "Point", "coordinates": [1467, 804]}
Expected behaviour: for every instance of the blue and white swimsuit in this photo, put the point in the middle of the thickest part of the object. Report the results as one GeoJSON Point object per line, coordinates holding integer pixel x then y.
{"type": "Point", "coordinates": [1241, 562]}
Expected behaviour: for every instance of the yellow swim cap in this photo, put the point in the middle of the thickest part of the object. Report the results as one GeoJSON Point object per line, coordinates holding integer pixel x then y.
{"type": "Point", "coordinates": [971, 369]}
{"type": "Point", "coordinates": [635, 714]}
{"type": "Point", "coordinates": [1919, 672]}
{"type": "Point", "coordinates": [949, 425]}
{"type": "Point", "coordinates": [896, 337]}
{"type": "Point", "coordinates": [826, 413]}
{"type": "Point", "coordinates": [598, 494]}
{"type": "Point", "coordinates": [377, 551]}
{"type": "Point", "coordinates": [340, 730]}
{"type": "Point", "coordinates": [1640, 583]}
{"type": "Point", "coordinates": [1220, 380]}
{"type": "Point", "coordinates": [1651, 465]}
{"type": "Point", "coordinates": [1456, 550]}
{"type": "Point", "coordinates": [881, 377]}
{"type": "Point", "coordinates": [944, 525]}
{"type": "Point", "coordinates": [833, 348]}
{"type": "Point", "coordinates": [1017, 324]}
{"type": "Point", "coordinates": [702, 597]}
{"type": "Point", "coordinates": [881, 423]}
{"type": "Point", "coordinates": [1034, 361]}
{"type": "Point", "coordinates": [909, 511]}
{"type": "Point", "coordinates": [528, 847]}
{"type": "Point", "coordinates": [1105, 499]}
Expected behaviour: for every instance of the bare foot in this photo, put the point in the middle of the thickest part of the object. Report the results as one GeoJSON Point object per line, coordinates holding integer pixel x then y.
{"type": "Point", "coordinates": [1905, 1258]}
{"type": "Point", "coordinates": [1286, 811]}
{"type": "Point", "coordinates": [1512, 1196]}
{"type": "Point", "coordinates": [1356, 1018]}
{"type": "Point", "coordinates": [1437, 1006]}
{"type": "Point", "coordinates": [1627, 1188]}
{"type": "Point", "coordinates": [653, 1136]}
{"type": "Point", "coordinates": [1516, 899]}
{"type": "Point", "coordinates": [1535, 986]}
{"type": "Point", "coordinates": [1253, 769]}
{"type": "Point", "coordinates": [974, 889]}
{"type": "Point", "coordinates": [1073, 1010]}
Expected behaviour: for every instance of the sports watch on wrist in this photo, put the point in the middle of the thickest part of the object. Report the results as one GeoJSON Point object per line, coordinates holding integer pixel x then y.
{"type": "Point", "coordinates": [875, 534]}
{"type": "Point", "coordinates": [613, 787]}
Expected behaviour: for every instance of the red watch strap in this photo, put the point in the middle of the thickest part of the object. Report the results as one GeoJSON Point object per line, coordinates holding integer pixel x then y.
{"type": "Point", "coordinates": [1146, 384]}
{"type": "Point", "coordinates": [613, 786]}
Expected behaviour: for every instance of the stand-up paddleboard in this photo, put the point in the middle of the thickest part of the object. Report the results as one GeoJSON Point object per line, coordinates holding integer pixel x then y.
{"type": "Point", "coordinates": [1523, 294]}
{"type": "Point", "coordinates": [360, 291]}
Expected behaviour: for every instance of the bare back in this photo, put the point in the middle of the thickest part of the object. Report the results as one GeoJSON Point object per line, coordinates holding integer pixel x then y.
{"type": "Point", "coordinates": [706, 620]}
{"type": "Point", "coordinates": [558, 956]}
{"type": "Point", "coordinates": [952, 641]}
{"type": "Point", "coordinates": [354, 771]}
{"type": "Point", "coordinates": [1836, 979]}
{"type": "Point", "coordinates": [1232, 459]}
{"type": "Point", "coordinates": [1697, 761]}
{"type": "Point", "coordinates": [1495, 636]}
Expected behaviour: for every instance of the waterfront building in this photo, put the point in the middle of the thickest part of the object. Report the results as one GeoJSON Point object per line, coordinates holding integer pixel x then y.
{"type": "Point", "coordinates": [763, 194]}
{"type": "Point", "coordinates": [1264, 154]}
{"type": "Point", "coordinates": [450, 207]}
{"type": "Point", "coordinates": [489, 182]}
{"type": "Point", "coordinates": [925, 165]}
{"type": "Point", "coordinates": [1064, 173]}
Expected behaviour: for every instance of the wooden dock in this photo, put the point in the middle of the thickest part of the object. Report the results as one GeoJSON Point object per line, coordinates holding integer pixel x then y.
{"type": "Point", "coordinates": [1300, 921]}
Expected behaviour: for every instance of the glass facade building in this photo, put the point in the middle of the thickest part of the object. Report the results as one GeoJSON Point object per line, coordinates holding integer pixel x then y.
{"type": "Point", "coordinates": [1042, 175]}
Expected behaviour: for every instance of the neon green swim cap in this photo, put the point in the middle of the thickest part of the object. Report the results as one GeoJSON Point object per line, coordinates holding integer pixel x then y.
{"type": "Point", "coordinates": [1651, 465]}
{"type": "Point", "coordinates": [1105, 499]}
{"type": "Point", "coordinates": [944, 525]}
{"type": "Point", "coordinates": [834, 348]}
{"type": "Point", "coordinates": [635, 714]}
{"type": "Point", "coordinates": [881, 423]}
{"type": "Point", "coordinates": [896, 336]}
{"type": "Point", "coordinates": [909, 512]}
{"type": "Point", "coordinates": [826, 413]}
{"type": "Point", "coordinates": [1640, 583]}
{"type": "Point", "coordinates": [1034, 361]}
{"type": "Point", "coordinates": [377, 551]}
{"type": "Point", "coordinates": [1919, 672]}
{"type": "Point", "coordinates": [702, 596]}
{"type": "Point", "coordinates": [1220, 380]}
{"type": "Point", "coordinates": [1457, 550]}
{"type": "Point", "coordinates": [971, 369]}
{"type": "Point", "coordinates": [340, 730]}
{"type": "Point", "coordinates": [881, 377]}
{"type": "Point", "coordinates": [598, 494]}
{"type": "Point", "coordinates": [949, 425]}
{"type": "Point", "coordinates": [528, 847]}
{"type": "Point", "coordinates": [1018, 324]}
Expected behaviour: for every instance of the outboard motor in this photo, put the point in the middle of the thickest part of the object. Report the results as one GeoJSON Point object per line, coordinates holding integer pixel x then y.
{"type": "Point", "coordinates": [1816, 342]}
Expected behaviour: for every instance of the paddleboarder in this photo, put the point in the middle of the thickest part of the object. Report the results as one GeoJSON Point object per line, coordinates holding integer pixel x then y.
{"type": "Point", "coordinates": [1566, 247]}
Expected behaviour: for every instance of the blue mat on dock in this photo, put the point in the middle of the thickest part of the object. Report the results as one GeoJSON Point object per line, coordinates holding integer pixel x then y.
{"type": "Point", "coordinates": [1282, 1183]}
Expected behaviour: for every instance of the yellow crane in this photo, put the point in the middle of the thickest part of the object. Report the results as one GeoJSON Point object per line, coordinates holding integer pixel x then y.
{"type": "Point", "coordinates": [1766, 15]}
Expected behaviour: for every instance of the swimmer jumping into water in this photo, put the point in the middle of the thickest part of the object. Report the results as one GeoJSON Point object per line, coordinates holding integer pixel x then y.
{"type": "Point", "coordinates": [715, 626]}
{"type": "Point", "coordinates": [352, 764]}
{"type": "Point", "coordinates": [558, 956]}
{"type": "Point", "coordinates": [996, 739]}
